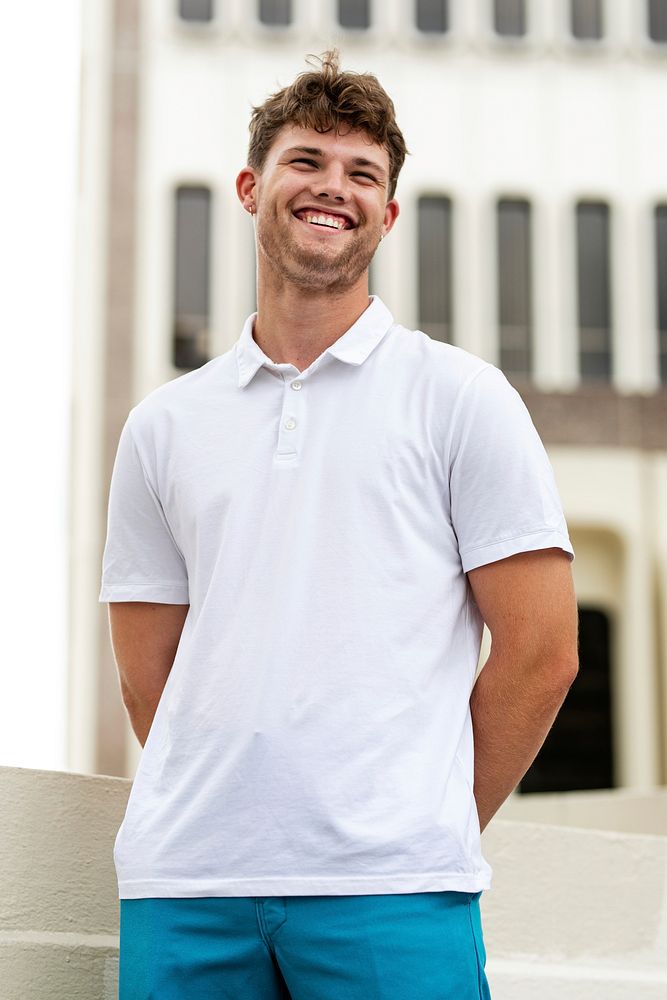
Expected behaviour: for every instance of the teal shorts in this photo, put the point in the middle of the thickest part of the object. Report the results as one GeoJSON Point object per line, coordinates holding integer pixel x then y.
{"type": "Point", "coordinates": [412, 946]}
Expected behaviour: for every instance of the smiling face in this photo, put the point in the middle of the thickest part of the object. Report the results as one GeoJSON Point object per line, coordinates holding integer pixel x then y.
{"type": "Point", "coordinates": [321, 206]}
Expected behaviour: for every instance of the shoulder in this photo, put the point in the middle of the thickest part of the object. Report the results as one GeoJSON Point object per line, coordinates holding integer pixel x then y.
{"type": "Point", "coordinates": [452, 367]}
{"type": "Point", "coordinates": [181, 396]}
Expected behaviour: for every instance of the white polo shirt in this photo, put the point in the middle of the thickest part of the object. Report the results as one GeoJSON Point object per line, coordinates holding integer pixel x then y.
{"type": "Point", "coordinates": [314, 735]}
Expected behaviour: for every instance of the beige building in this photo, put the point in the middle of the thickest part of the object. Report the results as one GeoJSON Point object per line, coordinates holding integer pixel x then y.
{"type": "Point", "coordinates": [533, 233]}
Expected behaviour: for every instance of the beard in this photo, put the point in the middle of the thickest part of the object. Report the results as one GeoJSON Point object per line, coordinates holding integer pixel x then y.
{"type": "Point", "coordinates": [320, 266]}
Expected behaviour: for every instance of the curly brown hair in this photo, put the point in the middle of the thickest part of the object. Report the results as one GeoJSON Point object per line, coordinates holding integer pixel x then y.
{"type": "Point", "coordinates": [327, 100]}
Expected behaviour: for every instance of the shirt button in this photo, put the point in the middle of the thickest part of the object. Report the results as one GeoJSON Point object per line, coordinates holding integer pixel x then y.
{"type": "Point", "coordinates": [290, 424]}
{"type": "Point", "coordinates": [296, 385]}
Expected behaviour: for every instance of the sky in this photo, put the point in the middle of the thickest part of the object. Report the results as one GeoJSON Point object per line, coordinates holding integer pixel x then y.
{"type": "Point", "coordinates": [40, 57]}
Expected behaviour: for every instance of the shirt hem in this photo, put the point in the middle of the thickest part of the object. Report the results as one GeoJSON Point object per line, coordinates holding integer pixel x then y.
{"type": "Point", "coordinates": [373, 885]}
{"type": "Point", "coordinates": [156, 593]}
{"type": "Point", "coordinates": [542, 538]}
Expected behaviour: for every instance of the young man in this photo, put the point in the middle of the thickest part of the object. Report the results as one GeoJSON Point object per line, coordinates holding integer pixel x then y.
{"type": "Point", "coordinates": [305, 537]}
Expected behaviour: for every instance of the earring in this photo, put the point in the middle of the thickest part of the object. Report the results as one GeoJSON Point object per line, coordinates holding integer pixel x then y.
{"type": "Point", "coordinates": [251, 209]}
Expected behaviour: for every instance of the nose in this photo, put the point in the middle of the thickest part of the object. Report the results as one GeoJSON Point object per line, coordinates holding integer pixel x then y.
{"type": "Point", "coordinates": [331, 182]}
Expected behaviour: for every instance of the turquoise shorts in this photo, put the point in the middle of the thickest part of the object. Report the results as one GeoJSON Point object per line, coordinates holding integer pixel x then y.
{"type": "Point", "coordinates": [412, 946]}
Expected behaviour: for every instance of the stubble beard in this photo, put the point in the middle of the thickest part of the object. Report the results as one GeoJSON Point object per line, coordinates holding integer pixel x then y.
{"type": "Point", "coordinates": [311, 268]}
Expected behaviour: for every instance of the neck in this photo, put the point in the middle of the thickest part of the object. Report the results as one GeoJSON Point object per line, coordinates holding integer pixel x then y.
{"type": "Point", "coordinates": [295, 325]}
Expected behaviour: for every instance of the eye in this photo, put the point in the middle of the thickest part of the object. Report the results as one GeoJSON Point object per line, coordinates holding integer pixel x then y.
{"type": "Point", "coordinates": [303, 160]}
{"type": "Point", "coordinates": [360, 173]}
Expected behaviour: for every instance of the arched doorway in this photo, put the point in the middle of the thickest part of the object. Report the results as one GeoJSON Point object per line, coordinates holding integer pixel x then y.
{"type": "Point", "coordinates": [578, 752]}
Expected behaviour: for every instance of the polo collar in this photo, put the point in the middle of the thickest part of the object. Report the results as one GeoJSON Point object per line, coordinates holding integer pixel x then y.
{"type": "Point", "coordinates": [353, 347]}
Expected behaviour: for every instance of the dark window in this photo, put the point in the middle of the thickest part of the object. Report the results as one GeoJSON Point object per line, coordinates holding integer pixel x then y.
{"type": "Point", "coordinates": [594, 295]}
{"type": "Point", "coordinates": [275, 11]}
{"type": "Point", "coordinates": [354, 13]}
{"type": "Point", "coordinates": [195, 10]}
{"type": "Point", "coordinates": [514, 287]}
{"type": "Point", "coordinates": [657, 20]}
{"type": "Point", "coordinates": [661, 286]}
{"type": "Point", "coordinates": [578, 752]}
{"type": "Point", "coordinates": [586, 18]}
{"type": "Point", "coordinates": [435, 267]}
{"type": "Point", "coordinates": [192, 276]}
{"type": "Point", "coordinates": [509, 17]}
{"type": "Point", "coordinates": [433, 15]}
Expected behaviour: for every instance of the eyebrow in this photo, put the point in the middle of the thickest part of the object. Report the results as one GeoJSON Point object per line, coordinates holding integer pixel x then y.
{"type": "Point", "coordinates": [359, 161]}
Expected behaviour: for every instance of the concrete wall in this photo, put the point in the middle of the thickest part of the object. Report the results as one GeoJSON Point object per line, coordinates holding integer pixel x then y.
{"type": "Point", "coordinates": [59, 906]}
{"type": "Point", "coordinates": [573, 914]}
{"type": "Point", "coordinates": [620, 809]}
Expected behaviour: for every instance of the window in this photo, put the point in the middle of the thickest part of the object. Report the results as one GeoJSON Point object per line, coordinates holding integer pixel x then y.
{"type": "Point", "coordinates": [509, 17]}
{"type": "Point", "coordinates": [657, 20]}
{"type": "Point", "coordinates": [433, 16]}
{"type": "Point", "coordinates": [191, 276]}
{"type": "Point", "coordinates": [435, 267]}
{"type": "Point", "coordinates": [275, 12]}
{"type": "Point", "coordinates": [661, 286]}
{"type": "Point", "coordinates": [195, 10]}
{"type": "Point", "coordinates": [514, 287]}
{"type": "Point", "coordinates": [578, 752]}
{"type": "Point", "coordinates": [593, 286]}
{"type": "Point", "coordinates": [586, 18]}
{"type": "Point", "coordinates": [354, 13]}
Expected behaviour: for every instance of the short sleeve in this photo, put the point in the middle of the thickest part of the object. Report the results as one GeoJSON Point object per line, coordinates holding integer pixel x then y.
{"type": "Point", "coordinates": [141, 559]}
{"type": "Point", "coordinates": [503, 492]}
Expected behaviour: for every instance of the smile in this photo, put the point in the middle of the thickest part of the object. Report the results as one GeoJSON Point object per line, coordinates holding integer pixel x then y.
{"type": "Point", "coordinates": [323, 222]}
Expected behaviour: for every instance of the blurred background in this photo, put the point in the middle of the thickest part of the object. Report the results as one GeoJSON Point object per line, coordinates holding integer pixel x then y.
{"type": "Point", "coordinates": [533, 233]}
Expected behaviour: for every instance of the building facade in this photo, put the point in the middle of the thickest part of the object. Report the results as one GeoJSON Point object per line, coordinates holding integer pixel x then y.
{"type": "Point", "coordinates": [532, 232]}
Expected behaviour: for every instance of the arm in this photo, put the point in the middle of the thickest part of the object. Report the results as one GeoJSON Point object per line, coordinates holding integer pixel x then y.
{"type": "Point", "coordinates": [528, 602]}
{"type": "Point", "coordinates": [144, 639]}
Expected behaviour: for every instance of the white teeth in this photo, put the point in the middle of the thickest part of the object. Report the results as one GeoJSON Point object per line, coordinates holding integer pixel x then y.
{"type": "Point", "coordinates": [326, 220]}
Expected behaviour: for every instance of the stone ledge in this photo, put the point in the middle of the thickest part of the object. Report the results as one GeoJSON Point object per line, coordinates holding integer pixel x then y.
{"type": "Point", "coordinates": [572, 913]}
{"type": "Point", "coordinates": [528, 979]}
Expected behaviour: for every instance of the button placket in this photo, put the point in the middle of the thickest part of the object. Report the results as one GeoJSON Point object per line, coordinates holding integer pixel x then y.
{"type": "Point", "coordinates": [291, 418]}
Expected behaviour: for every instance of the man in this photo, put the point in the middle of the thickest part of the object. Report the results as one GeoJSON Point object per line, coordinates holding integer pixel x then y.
{"type": "Point", "coordinates": [305, 537]}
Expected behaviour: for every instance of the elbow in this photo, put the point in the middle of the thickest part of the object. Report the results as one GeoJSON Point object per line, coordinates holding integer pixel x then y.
{"type": "Point", "coordinates": [566, 672]}
{"type": "Point", "coordinates": [553, 669]}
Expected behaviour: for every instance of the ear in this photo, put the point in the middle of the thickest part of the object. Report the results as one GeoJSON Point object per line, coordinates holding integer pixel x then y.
{"type": "Point", "coordinates": [245, 187]}
{"type": "Point", "coordinates": [391, 212]}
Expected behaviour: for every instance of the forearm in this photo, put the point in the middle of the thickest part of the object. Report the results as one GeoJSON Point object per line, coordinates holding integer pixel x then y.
{"type": "Point", "coordinates": [141, 712]}
{"type": "Point", "coordinates": [145, 638]}
{"type": "Point", "coordinates": [513, 707]}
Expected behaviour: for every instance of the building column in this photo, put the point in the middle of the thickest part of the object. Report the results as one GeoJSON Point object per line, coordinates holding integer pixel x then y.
{"type": "Point", "coordinates": [636, 695]}
{"type": "Point", "coordinates": [112, 727]}
{"type": "Point", "coordinates": [88, 402]}
{"type": "Point", "coordinates": [549, 371]}
{"type": "Point", "coordinates": [660, 498]}
{"type": "Point", "coordinates": [628, 348]}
